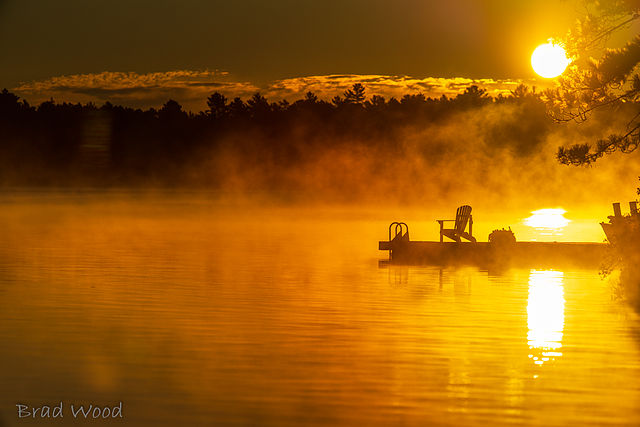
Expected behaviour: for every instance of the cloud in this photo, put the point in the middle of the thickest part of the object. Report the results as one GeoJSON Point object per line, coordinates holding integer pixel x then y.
{"type": "Point", "coordinates": [191, 88]}
{"type": "Point", "coordinates": [327, 87]}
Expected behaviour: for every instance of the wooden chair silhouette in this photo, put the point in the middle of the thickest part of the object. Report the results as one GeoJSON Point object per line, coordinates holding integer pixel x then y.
{"type": "Point", "coordinates": [463, 216]}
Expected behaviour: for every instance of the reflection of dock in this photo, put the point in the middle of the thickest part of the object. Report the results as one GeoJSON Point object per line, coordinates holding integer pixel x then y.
{"type": "Point", "coordinates": [518, 254]}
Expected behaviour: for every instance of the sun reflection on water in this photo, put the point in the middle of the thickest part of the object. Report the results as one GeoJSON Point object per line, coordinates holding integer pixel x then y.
{"type": "Point", "coordinates": [545, 315]}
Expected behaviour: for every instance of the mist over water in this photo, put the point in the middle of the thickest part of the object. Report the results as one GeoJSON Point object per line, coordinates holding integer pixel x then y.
{"type": "Point", "coordinates": [496, 154]}
{"type": "Point", "coordinates": [193, 311]}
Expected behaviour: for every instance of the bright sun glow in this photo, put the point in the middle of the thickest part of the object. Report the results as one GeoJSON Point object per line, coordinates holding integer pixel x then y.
{"type": "Point", "coordinates": [547, 218]}
{"type": "Point", "coordinates": [549, 60]}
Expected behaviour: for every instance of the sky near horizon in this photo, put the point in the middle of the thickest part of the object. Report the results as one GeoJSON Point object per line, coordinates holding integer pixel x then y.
{"type": "Point", "coordinates": [148, 50]}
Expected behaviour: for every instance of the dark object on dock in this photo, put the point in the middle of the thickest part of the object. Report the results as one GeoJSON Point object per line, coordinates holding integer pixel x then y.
{"type": "Point", "coordinates": [622, 228]}
{"type": "Point", "coordinates": [463, 215]}
{"type": "Point", "coordinates": [502, 237]}
{"type": "Point", "coordinates": [502, 250]}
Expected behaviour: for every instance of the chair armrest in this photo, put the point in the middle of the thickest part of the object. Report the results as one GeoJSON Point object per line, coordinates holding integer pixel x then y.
{"type": "Point", "coordinates": [445, 220]}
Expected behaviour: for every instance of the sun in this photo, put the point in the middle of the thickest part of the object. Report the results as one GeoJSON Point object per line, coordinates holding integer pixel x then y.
{"type": "Point", "coordinates": [549, 60]}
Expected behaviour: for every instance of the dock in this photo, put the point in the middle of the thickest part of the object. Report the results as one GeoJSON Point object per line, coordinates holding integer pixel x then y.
{"type": "Point", "coordinates": [499, 252]}
{"type": "Point", "coordinates": [485, 254]}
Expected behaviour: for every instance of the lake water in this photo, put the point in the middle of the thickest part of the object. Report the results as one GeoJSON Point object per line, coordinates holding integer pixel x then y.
{"type": "Point", "coordinates": [190, 312]}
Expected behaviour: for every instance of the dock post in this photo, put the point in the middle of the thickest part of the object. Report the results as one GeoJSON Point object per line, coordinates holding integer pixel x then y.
{"type": "Point", "coordinates": [616, 210]}
{"type": "Point", "coordinates": [633, 209]}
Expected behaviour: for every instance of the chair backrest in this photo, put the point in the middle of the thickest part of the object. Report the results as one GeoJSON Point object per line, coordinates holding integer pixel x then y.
{"type": "Point", "coordinates": [462, 218]}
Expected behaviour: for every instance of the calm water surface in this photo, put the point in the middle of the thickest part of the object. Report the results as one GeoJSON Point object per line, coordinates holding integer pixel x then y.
{"type": "Point", "coordinates": [193, 313]}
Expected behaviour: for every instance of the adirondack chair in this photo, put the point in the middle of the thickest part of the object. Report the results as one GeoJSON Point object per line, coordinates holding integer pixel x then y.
{"type": "Point", "coordinates": [463, 216]}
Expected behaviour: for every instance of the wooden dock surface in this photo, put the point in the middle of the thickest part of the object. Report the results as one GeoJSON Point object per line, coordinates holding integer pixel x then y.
{"type": "Point", "coordinates": [521, 254]}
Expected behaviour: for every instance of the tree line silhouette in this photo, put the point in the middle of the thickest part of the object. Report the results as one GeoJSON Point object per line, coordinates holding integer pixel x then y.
{"type": "Point", "coordinates": [84, 144]}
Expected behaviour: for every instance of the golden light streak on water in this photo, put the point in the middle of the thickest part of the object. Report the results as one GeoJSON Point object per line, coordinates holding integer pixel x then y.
{"type": "Point", "coordinates": [545, 315]}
